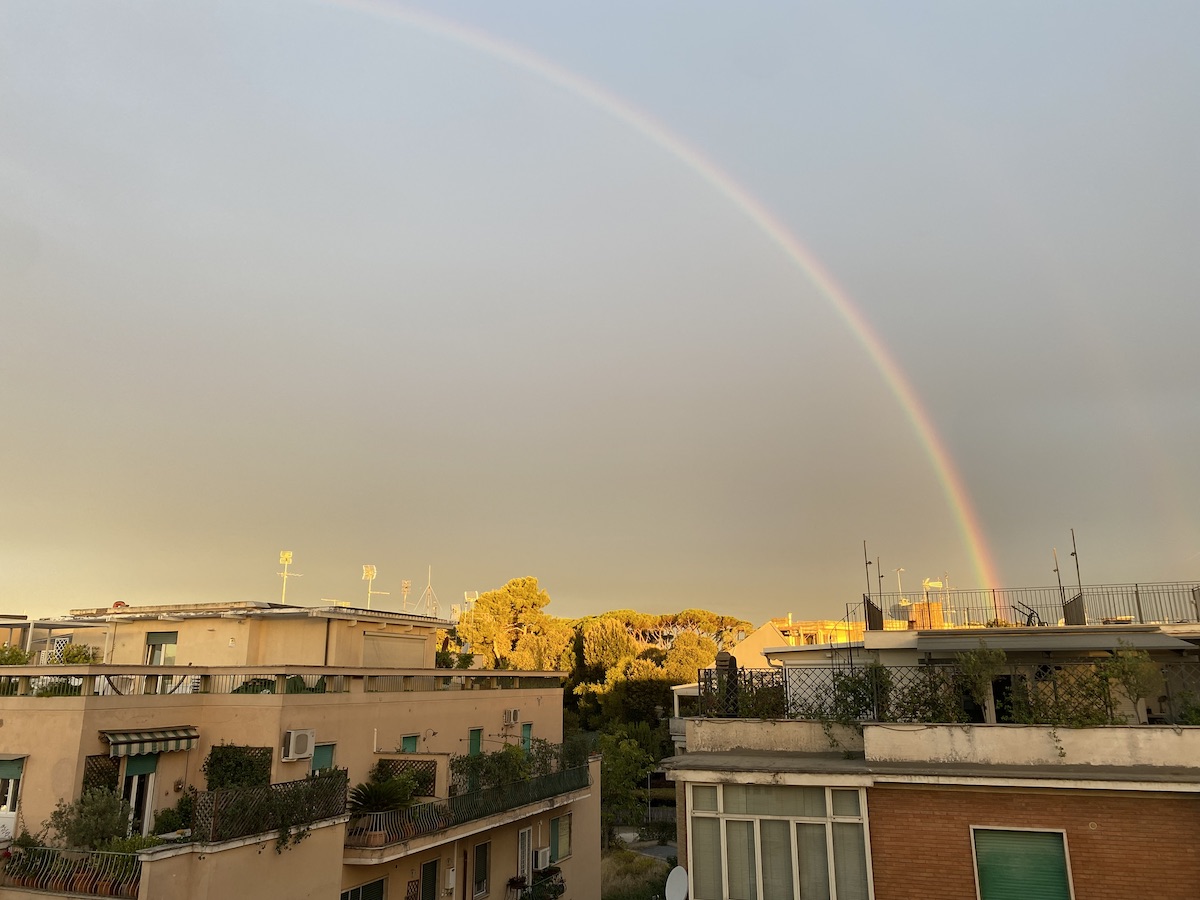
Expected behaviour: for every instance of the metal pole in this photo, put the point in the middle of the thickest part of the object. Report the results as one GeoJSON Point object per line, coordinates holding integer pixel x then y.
{"type": "Point", "coordinates": [1062, 594]}
{"type": "Point", "coordinates": [867, 569]}
{"type": "Point", "coordinates": [879, 570]}
{"type": "Point", "coordinates": [1137, 598]}
{"type": "Point", "coordinates": [1075, 553]}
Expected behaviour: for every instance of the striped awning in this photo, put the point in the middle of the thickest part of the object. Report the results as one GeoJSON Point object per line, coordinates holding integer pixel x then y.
{"type": "Point", "coordinates": [161, 740]}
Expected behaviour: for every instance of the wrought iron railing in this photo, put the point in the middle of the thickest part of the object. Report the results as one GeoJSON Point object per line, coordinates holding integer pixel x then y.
{"type": "Point", "coordinates": [1097, 604]}
{"type": "Point", "coordinates": [237, 812]}
{"type": "Point", "coordinates": [183, 681]}
{"type": "Point", "coordinates": [377, 829]}
{"type": "Point", "coordinates": [95, 873]}
{"type": "Point", "coordinates": [1062, 693]}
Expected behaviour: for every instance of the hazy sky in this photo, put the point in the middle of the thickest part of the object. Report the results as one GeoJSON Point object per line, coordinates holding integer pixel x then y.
{"type": "Point", "coordinates": [339, 279]}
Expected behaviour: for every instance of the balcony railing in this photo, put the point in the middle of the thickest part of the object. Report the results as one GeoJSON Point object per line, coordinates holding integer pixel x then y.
{"type": "Point", "coordinates": [94, 873]}
{"type": "Point", "coordinates": [1062, 693]}
{"type": "Point", "coordinates": [1097, 604]}
{"type": "Point", "coordinates": [104, 680]}
{"type": "Point", "coordinates": [377, 829]}
{"type": "Point", "coordinates": [238, 812]}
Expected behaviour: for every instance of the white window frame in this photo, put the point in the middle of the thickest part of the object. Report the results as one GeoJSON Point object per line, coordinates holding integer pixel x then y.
{"type": "Point", "coordinates": [487, 875]}
{"type": "Point", "coordinates": [355, 893]}
{"type": "Point", "coordinates": [567, 817]}
{"type": "Point", "coordinates": [1066, 852]}
{"type": "Point", "coordinates": [827, 820]}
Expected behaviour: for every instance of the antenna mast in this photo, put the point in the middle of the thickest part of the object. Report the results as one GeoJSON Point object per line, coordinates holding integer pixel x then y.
{"type": "Point", "coordinates": [285, 560]}
{"type": "Point", "coordinates": [429, 598]}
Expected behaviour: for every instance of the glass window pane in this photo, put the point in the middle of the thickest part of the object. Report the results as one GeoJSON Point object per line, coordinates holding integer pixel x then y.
{"type": "Point", "coordinates": [481, 868]}
{"type": "Point", "coordinates": [850, 861]}
{"type": "Point", "coordinates": [845, 803]}
{"type": "Point", "coordinates": [739, 848]}
{"type": "Point", "coordinates": [705, 838]}
{"type": "Point", "coordinates": [774, 800]}
{"type": "Point", "coordinates": [704, 796]}
{"type": "Point", "coordinates": [813, 859]}
{"type": "Point", "coordinates": [775, 836]}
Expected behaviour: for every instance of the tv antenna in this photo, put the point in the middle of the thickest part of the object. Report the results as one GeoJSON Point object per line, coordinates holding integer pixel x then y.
{"type": "Point", "coordinates": [405, 587]}
{"type": "Point", "coordinates": [429, 598]}
{"type": "Point", "coordinates": [285, 560]}
{"type": "Point", "coordinates": [369, 578]}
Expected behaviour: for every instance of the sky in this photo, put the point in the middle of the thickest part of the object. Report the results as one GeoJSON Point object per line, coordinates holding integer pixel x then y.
{"type": "Point", "coordinates": [669, 305]}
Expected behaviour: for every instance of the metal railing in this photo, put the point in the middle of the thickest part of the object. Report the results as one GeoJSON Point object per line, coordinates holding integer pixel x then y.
{"type": "Point", "coordinates": [94, 873]}
{"type": "Point", "coordinates": [1062, 693]}
{"type": "Point", "coordinates": [238, 812]}
{"type": "Point", "coordinates": [181, 681]}
{"type": "Point", "coordinates": [1098, 604]}
{"type": "Point", "coordinates": [380, 828]}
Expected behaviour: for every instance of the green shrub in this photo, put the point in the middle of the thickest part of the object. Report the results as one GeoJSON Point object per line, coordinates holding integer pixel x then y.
{"type": "Point", "coordinates": [232, 765]}
{"type": "Point", "coordinates": [13, 656]}
{"type": "Point", "coordinates": [98, 817]}
{"type": "Point", "coordinates": [78, 655]}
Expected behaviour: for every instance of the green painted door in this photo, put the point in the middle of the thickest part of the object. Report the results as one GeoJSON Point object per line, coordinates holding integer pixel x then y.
{"type": "Point", "coordinates": [475, 746]}
{"type": "Point", "coordinates": [1021, 865]}
{"type": "Point", "coordinates": [527, 736]}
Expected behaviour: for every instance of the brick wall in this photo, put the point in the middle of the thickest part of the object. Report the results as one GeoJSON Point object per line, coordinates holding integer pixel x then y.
{"type": "Point", "coordinates": [1120, 845]}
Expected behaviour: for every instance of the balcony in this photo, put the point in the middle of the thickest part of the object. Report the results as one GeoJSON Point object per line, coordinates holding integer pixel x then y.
{"type": "Point", "coordinates": [102, 680]}
{"type": "Point", "coordinates": [373, 830]}
{"type": "Point", "coordinates": [1074, 694]}
{"type": "Point", "coordinates": [92, 873]}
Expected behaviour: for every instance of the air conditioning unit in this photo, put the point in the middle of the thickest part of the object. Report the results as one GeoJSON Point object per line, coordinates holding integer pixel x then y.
{"type": "Point", "coordinates": [512, 716]}
{"type": "Point", "coordinates": [541, 858]}
{"type": "Point", "coordinates": [298, 744]}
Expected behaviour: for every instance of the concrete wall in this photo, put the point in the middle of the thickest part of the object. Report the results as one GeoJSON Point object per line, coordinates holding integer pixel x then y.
{"type": "Point", "coordinates": [262, 641]}
{"type": "Point", "coordinates": [1119, 846]}
{"type": "Point", "coordinates": [309, 870]}
{"type": "Point", "coordinates": [1034, 745]}
{"type": "Point", "coordinates": [717, 735]}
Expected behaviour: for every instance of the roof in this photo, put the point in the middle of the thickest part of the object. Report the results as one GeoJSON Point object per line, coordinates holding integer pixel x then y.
{"type": "Point", "coordinates": [766, 761]}
{"type": "Point", "coordinates": [1096, 637]}
{"type": "Point", "coordinates": [243, 609]}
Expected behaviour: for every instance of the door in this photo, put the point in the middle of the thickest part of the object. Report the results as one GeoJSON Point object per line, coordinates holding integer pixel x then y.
{"type": "Point", "coordinates": [429, 883]}
{"type": "Point", "coordinates": [524, 854]}
{"type": "Point", "coordinates": [138, 788]}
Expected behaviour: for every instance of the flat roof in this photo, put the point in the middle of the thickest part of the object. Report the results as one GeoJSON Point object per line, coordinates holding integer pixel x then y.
{"type": "Point", "coordinates": [769, 761]}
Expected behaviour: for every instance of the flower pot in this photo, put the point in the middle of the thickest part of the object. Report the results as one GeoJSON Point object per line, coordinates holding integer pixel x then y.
{"type": "Point", "coordinates": [376, 838]}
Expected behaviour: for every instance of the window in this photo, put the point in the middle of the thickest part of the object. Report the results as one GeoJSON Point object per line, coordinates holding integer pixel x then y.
{"type": "Point", "coordinates": [429, 885]}
{"type": "Point", "coordinates": [138, 789]}
{"type": "Point", "coordinates": [480, 870]}
{"type": "Point", "coordinates": [1020, 865]}
{"type": "Point", "coordinates": [527, 736]}
{"type": "Point", "coordinates": [560, 838]}
{"type": "Point", "coordinates": [375, 890]}
{"type": "Point", "coordinates": [475, 745]}
{"type": "Point", "coordinates": [160, 648]}
{"type": "Point", "coordinates": [322, 757]}
{"type": "Point", "coordinates": [408, 743]}
{"type": "Point", "coordinates": [777, 842]}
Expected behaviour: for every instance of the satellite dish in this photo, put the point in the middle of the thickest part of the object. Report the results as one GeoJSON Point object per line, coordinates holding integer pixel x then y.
{"type": "Point", "coordinates": [677, 884]}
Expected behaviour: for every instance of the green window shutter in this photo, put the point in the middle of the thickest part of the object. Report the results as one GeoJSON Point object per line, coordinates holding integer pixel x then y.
{"type": "Point", "coordinates": [11, 768]}
{"type": "Point", "coordinates": [408, 743]}
{"type": "Point", "coordinates": [554, 840]}
{"type": "Point", "coordinates": [322, 757]}
{"type": "Point", "coordinates": [162, 637]}
{"type": "Point", "coordinates": [476, 745]}
{"type": "Point", "coordinates": [143, 764]}
{"type": "Point", "coordinates": [527, 736]}
{"type": "Point", "coordinates": [429, 883]}
{"type": "Point", "coordinates": [374, 890]}
{"type": "Point", "coordinates": [1021, 865]}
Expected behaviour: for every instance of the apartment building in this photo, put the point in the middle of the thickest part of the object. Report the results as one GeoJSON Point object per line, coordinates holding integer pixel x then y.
{"type": "Point", "coordinates": [315, 690]}
{"type": "Point", "coordinates": [964, 764]}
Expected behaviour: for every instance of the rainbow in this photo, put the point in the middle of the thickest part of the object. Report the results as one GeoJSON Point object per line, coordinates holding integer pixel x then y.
{"type": "Point", "coordinates": [951, 482]}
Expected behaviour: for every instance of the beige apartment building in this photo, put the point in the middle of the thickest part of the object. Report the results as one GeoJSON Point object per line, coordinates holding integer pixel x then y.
{"type": "Point", "coordinates": [317, 690]}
